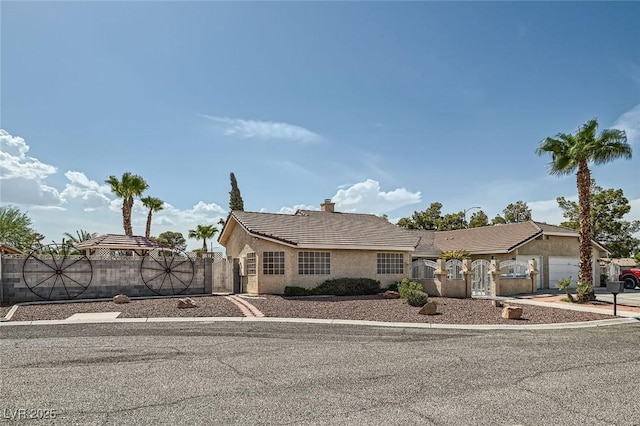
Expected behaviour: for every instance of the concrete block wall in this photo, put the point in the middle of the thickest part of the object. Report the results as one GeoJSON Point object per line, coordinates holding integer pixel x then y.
{"type": "Point", "coordinates": [108, 278]}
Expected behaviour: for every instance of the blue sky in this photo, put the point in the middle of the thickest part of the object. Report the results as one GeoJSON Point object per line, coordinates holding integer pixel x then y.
{"type": "Point", "coordinates": [385, 107]}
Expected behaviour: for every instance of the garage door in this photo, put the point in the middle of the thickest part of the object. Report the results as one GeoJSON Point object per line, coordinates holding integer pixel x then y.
{"type": "Point", "coordinates": [561, 267]}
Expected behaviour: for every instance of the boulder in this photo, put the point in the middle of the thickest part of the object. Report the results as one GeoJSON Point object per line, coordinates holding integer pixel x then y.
{"type": "Point", "coordinates": [187, 302]}
{"type": "Point", "coordinates": [390, 294]}
{"type": "Point", "coordinates": [429, 308]}
{"type": "Point", "coordinates": [511, 312]}
{"type": "Point", "coordinates": [119, 299]}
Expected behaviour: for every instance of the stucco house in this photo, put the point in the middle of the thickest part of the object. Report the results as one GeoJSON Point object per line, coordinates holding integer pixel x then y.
{"type": "Point", "coordinates": [304, 249]}
{"type": "Point", "coordinates": [271, 251]}
{"type": "Point", "coordinates": [555, 249]}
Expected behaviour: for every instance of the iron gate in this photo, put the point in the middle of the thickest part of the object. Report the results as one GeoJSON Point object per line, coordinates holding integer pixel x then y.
{"type": "Point", "coordinates": [480, 281]}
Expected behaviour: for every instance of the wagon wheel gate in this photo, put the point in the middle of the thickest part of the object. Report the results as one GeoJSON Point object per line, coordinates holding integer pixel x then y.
{"type": "Point", "coordinates": [57, 271]}
{"type": "Point", "coordinates": [167, 272]}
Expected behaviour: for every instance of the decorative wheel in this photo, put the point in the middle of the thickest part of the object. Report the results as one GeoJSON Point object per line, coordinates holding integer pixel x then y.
{"type": "Point", "coordinates": [167, 272]}
{"type": "Point", "coordinates": [57, 271]}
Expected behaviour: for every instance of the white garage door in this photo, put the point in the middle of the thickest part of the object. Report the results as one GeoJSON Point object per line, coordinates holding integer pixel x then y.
{"type": "Point", "coordinates": [561, 267]}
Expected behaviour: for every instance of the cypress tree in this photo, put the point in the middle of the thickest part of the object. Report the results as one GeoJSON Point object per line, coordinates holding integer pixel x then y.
{"type": "Point", "coordinates": [235, 199]}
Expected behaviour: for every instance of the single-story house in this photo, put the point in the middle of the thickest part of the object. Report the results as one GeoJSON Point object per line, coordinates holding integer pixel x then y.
{"type": "Point", "coordinates": [554, 248]}
{"type": "Point", "coordinates": [272, 251]}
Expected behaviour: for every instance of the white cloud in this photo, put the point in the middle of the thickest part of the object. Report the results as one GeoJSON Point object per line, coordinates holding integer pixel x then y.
{"type": "Point", "coordinates": [92, 194]}
{"type": "Point", "coordinates": [630, 123]}
{"type": "Point", "coordinates": [548, 211]}
{"type": "Point", "coordinates": [292, 210]}
{"type": "Point", "coordinates": [367, 197]}
{"type": "Point", "coordinates": [22, 177]}
{"type": "Point", "coordinates": [268, 130]}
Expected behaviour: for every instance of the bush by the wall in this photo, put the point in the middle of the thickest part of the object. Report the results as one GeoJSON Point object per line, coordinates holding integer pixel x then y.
{"type": "Point", "coordinates": [393, 287]}
{"type": "Point", "coordinates": [292, 290]}
{"type": "Point", "coordinates": [406, 285]}
{"type": "Point", "coordinates": [348, 287]}
{"type": "Point", "coordinates": [417, 298]}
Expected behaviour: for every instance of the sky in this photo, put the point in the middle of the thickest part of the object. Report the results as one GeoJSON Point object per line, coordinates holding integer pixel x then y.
{"type": "Point", "coordinates": [383, 107]}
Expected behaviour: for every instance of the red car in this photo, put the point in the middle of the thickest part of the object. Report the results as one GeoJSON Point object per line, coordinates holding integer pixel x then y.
{"type": "Point", "coordinates": [631, 277]}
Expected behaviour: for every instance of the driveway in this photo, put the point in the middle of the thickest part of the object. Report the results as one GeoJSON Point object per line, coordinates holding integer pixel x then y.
{"type": "Point", "coordinates": [269, 373]}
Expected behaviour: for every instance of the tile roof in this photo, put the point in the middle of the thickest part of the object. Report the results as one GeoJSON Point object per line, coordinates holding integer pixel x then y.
{"type": "Point", "coordinates": [426, 246]}
{"type": "Point", "coordinates": [497, 238]}
{"type": "Point", "coordinates": [118, 242]}
{"type": "Point", "coordinates": [309, 228]}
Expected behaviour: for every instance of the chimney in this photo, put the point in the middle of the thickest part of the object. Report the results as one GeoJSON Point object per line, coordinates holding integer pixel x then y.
{"type": "Point", "coordinates": [327, 206]}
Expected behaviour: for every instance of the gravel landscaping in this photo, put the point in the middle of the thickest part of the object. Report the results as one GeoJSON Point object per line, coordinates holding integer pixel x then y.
{"type": "Point", "coordinates": [373, 308]}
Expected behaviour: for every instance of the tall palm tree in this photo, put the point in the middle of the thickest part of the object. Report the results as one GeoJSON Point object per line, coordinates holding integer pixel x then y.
{"type": "Point", "coordinates": [572, 153]}
{"type": "Point", "coordinates": [154, 205]}
{"type": "Point", "coordinates": [128, 187]}
{"type": "Point", "coordinates": [202, 232]}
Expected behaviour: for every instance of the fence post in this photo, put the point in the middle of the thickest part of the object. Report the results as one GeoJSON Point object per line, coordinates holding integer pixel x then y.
{"type": "Point", "coordinates": [467, 273]}
{"type": "Point", "coordinates": [208, 275]}
{"type": "Point", "coordinates": [495, 277]}
{"type": "Point", "coordinates": [533, 271]}
{"type": "Point", "coordinates": [441, 276]}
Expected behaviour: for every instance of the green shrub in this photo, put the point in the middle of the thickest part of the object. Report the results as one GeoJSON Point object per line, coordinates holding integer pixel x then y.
{"type": "Point", "coordinates": [348, 287]}
{"type": "Point", "coordinates": [417, 298]}
{"type": "Point", "coordinates": [406, 285]}
{"type": "Point", "coordinates": [292, 290]}
{"type": "Point", "coordinates": [393, 287]}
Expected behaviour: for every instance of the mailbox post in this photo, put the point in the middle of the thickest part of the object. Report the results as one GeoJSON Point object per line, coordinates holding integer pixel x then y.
{"type": "Point", "coordinates": [615, 287]}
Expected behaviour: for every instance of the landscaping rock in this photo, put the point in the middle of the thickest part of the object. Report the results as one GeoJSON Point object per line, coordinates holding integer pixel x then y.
{"type": "Point", "coordinates": [511, 312]}
{"type": "Point", "coordinates": [390, 294]}
{"type": "Point", "coordinates": [119, 299]}
{"type": "Point", "coordinates": [187, 302]}
{"type": "Point", "coordinates": [497, 303]}
{"type": "Point", "coordinates": [429, 309]}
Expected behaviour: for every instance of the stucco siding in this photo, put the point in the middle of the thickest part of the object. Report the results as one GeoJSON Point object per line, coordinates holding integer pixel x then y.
{"type": "Point", "coordinates": [344, 264]}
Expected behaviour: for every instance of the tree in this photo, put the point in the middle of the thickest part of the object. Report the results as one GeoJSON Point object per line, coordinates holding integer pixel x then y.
{"type": "Point", "coordinates": [452, 221]}
{"type": "Point", "coordinates": [427, 219]}
{"type": "Point", "coordinates": [573, 153]}
{"type": "Point", "coordinates": [173, 240]}
{"type": "Point", "coordinates": [518, 212]}
{"type": "Point", "coordinates": [154, 205]}
{"type": "Point", "coordinates": [235, 199]}
{"type": "Point", "coordinates": [15, 228]}
{"type": "Point", "coordinates": [202, 232]}
{"type": "Point", "coordinates": [608, 207]}
{"type": "Point", "coordinates": [128, 187]}
{"type": "Point", "coordinates": [81, 235]}
{"type": "Point", "coordinates": [478, 219]}
{"type": "Point", "coordinates": [498, 220]}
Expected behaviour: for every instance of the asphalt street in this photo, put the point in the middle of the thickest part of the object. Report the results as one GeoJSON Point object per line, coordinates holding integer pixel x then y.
{"type": "Point", "coordinates": [317, 374]}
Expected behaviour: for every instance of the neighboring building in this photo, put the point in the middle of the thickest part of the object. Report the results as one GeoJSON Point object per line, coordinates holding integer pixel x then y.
{"type": "Point", "coordinates": [5, 249]}
{"type": "Point", "coordinates": [554, 248]}
{"type": "Point", "coordinates": [272, 251]}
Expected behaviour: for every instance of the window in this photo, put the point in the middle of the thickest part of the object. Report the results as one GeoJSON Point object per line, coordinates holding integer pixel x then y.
{"type": "Point", "coordinates": [314, 263]}
{"type": "Point", "coordinates": [390, 263]}
{"type": "Point", "coordinates": [251, 264]}
{"type": "Point", "coordinates": [273, 262]}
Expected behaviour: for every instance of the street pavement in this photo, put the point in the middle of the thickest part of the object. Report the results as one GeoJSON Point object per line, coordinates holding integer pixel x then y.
{"type": "Point", "coordinates": [253, 373]}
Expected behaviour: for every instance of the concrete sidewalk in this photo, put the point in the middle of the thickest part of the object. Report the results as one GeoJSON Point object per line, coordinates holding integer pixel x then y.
{"type": "Point", "coordinates": [627, 303]}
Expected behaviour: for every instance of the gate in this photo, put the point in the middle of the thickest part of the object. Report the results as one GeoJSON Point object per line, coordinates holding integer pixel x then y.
{"type": "Point", "coordinates": [480, 281]}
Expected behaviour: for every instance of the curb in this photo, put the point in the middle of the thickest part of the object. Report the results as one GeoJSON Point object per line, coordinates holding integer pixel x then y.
{"type": "Point", "coordinates": [584, 324]}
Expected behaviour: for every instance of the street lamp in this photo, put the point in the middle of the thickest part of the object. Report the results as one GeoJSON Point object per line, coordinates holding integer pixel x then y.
{"type": "Point", "coordinates": [464, 216]}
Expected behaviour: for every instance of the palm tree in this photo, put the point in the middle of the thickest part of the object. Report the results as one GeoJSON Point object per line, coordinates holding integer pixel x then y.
{"type": "Point", "coordinates": [130, 186]}
{"type": "Point", "coordinates": [202, 232]}
{"type": "Point", "coordinates": [572, 153]}
{"type": "Point", "coordinates": [80, 236]}
{"type": "Point", "coordinates": [154, 205]}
